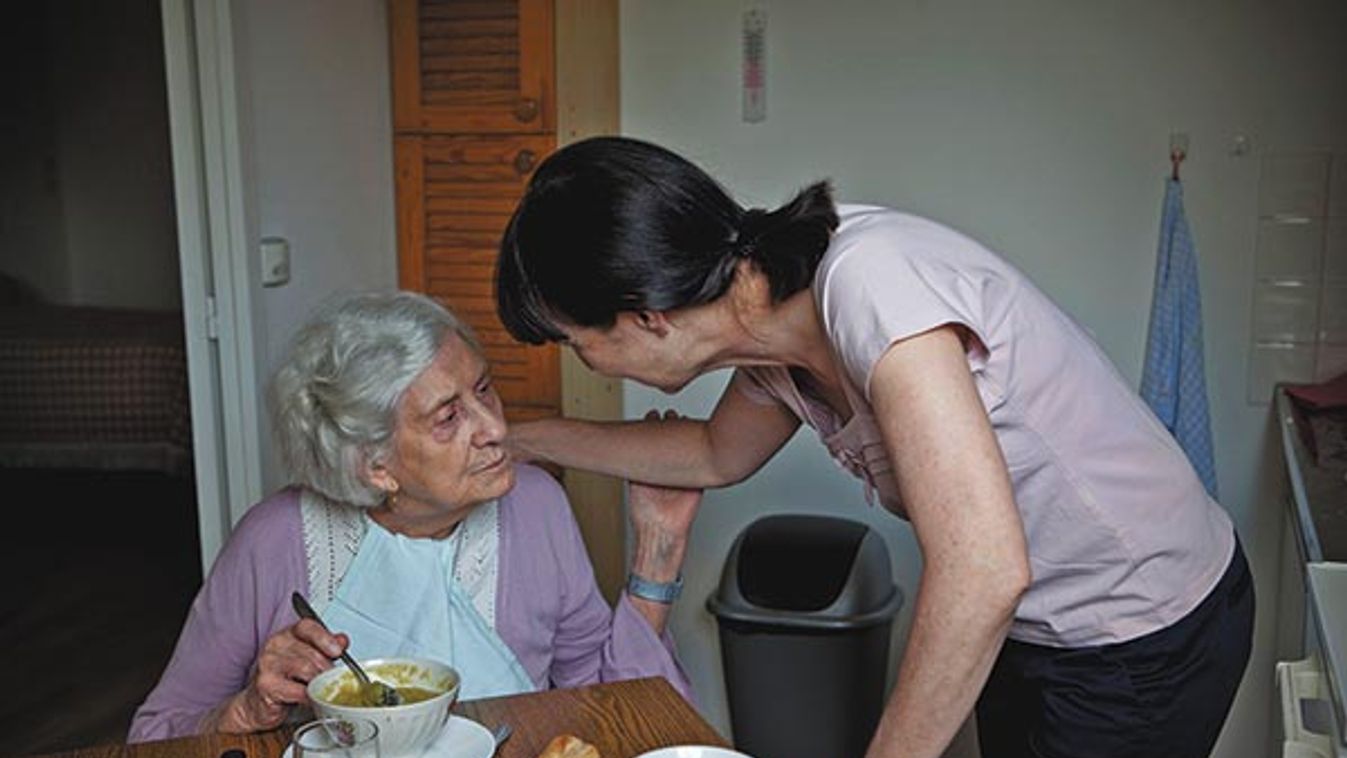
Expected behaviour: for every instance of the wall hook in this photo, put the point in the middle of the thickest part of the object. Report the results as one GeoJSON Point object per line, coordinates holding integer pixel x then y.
{"type": "Point", "coordinates": [1178, 150]}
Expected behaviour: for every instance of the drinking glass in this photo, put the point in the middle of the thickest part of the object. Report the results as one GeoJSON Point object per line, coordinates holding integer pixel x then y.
{"type": "Point", "coordinates": [337, 738]}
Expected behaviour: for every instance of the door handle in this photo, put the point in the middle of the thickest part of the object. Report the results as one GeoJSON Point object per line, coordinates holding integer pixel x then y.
{"type": "Point", "coordinates": [524, 161]}
{"type": "Point", "coordinates": [526, 109]}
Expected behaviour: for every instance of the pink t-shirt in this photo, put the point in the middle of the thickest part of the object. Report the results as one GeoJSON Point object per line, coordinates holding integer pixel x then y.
{"type": "Point", "coordinates": [1123, 539]}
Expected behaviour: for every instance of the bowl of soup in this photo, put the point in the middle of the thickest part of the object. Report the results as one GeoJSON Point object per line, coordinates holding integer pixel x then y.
{"type": "Point", "coordinates": [428, 689]}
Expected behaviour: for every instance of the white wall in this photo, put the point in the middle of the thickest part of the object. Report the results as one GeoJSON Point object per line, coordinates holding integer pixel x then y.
{"type": "Point", "coordinates": [1041, 128]}
{"type": "Point", "coordinates": [319, 135]}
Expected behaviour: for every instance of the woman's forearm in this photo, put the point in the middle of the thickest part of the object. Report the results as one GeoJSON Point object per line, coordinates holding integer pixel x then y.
{"type": "Point", "coordinates": [958, 628]}
{"type": "Point", "coordinates": [959, 498]}
{"type": "Point", "coordinates": [672, 452]}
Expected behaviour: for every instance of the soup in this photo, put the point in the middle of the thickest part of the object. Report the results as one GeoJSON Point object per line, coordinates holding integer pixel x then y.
{"type": "Point", "coordinates": [350, 695]}
{"type": "Point", "coordinates": [414, 683]}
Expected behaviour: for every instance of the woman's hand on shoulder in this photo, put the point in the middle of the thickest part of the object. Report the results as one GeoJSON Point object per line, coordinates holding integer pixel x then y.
{"type": "Point", "coordinates": [522, 440]}
{"type": "Point", "coordinates": [289, 659]}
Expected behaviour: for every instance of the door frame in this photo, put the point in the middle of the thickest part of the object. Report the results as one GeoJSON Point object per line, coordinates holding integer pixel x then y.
{"type": "Point", "coordinates": [215, 229]}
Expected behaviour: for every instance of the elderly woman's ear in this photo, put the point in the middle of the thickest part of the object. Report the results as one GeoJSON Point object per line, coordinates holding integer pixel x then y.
{"type": "Point", "coordinates": [376, 473]}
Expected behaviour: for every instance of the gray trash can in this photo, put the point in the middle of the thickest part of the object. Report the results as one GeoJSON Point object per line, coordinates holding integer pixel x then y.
{"type": "Point", "coordinates": [805, 608]}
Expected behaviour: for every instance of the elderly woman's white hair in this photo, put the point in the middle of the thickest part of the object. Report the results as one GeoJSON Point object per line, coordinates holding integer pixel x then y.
{"type": "Point", "coordinates": [334, 400]}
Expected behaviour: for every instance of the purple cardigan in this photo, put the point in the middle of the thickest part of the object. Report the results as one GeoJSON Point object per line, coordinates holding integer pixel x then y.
{"type": "Point", "coordinates": [548, 609]}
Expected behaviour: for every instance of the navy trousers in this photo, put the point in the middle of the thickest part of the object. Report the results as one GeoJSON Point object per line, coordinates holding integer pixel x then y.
{"type": "Point", "coordinates": [1164, 695]}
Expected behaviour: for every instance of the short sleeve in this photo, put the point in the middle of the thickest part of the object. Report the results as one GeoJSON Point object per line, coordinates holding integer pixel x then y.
{"type": "Point", "coordinates": [876, 289]}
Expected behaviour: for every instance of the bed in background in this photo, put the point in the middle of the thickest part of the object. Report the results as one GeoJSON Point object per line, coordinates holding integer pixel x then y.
{"type": "Point", "coordinates": [92, 388]}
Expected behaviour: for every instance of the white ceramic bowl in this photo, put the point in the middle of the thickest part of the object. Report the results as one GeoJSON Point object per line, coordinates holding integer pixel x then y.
{"type": "Point", "coordinates": [403, 729]}
{"type": "Point", "coordinates": [693, 751]}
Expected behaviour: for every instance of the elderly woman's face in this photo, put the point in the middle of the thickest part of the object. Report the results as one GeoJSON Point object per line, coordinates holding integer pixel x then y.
{"type": "Point", "coordinates": [447, 451]}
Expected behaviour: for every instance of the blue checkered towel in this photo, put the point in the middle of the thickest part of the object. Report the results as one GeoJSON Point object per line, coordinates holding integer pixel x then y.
{"type": "Point", "coordinates": [1173, 381]}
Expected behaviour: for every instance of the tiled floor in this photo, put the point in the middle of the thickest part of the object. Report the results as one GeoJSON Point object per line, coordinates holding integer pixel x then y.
{"type": "Point", "coordinates": [98, 571]}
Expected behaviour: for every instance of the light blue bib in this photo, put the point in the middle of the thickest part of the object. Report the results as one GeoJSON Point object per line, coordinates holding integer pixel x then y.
{"type": "Point", "coordinates": [399, 598]}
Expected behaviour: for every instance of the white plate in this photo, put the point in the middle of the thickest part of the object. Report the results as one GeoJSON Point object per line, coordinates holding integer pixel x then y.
{"type": "Point", "coordinates": [460, 738]}
{"type": "Point", "coordinates": [693, 751]}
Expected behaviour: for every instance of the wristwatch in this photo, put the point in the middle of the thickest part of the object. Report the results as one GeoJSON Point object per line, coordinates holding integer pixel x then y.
{"type": "Point", "coordinates": [657, 592]}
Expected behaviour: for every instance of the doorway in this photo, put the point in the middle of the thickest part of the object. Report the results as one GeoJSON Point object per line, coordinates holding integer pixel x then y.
{"type": "Point", "coordinates": [104, 557]}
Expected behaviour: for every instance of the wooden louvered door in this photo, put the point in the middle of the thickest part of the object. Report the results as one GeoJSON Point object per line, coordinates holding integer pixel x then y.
{"type": "Point", "coordinates": [481, 91]}
{"type": "Point", "coordinates": [473, 66]}
{"type": "Point", "coordinates": [473, 113]}
{"type": "Point", "coordinates": [455, 196]}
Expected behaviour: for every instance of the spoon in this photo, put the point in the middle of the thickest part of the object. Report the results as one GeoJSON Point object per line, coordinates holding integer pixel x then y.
{"type": "Point", "coordinates": [373, 692]}
{"type": "Point", "coordinates": [501, 734]}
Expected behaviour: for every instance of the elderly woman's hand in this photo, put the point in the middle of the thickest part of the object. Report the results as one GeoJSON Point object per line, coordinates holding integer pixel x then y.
{"type": "Point", "coordinates": [661, 518]}
{"type": "Point", "coordinates": [289, 659]}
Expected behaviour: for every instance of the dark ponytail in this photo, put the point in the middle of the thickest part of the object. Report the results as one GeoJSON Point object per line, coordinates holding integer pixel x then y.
{"type": "Point", "coordinates": [613, 224]}
{"type": "Point", "coordinates": [787, 243]}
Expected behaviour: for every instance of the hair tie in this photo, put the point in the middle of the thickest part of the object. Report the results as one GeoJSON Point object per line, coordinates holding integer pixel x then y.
{"type": "Point", "coordinates": [750, 229]}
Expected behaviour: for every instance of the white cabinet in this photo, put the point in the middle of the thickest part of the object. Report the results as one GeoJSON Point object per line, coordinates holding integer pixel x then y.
{"type": "Point", "coordinates": [1300, 685]}
{"type": "Point", "coordinates": [1312, 689]}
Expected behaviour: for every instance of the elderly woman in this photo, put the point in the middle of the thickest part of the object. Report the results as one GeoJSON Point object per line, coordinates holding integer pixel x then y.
{"type": "Point", "coordinates": [412, 532]}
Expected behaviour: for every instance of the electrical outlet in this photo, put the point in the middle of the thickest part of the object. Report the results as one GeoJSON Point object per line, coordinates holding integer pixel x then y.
{"type": "Point", "coordinates": [275, 261]}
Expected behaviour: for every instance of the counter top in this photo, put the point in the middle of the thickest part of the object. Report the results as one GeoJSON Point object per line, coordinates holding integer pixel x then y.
{"type": "Point", "coordinates": [1319, 494]}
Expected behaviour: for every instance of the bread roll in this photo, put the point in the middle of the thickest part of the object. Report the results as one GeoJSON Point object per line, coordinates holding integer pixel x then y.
{"type": "Point", "coordinates": [569, 746]}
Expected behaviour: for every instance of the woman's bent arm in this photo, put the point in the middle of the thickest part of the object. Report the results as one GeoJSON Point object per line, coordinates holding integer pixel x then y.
{"type": "Point", "coordinates": [736, 441]}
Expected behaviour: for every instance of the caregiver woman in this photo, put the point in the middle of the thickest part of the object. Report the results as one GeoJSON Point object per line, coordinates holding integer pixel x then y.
{"type": "Point", "coordinates": [1079, 584]}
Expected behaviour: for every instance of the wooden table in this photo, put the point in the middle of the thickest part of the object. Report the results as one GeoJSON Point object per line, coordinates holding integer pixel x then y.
{"type": "Point", "coordinates": [622, 719]}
